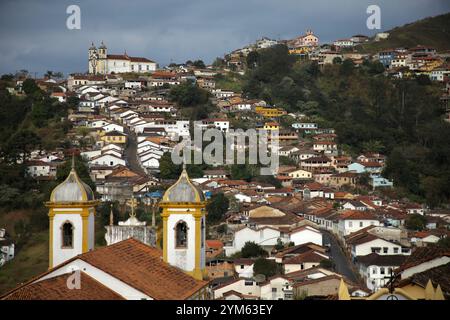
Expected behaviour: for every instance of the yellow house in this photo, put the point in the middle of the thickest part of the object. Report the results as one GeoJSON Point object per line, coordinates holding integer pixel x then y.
{"type": "Point", "coordinates": [271, 126]}
{"type": "Point", "coordinates": [269, 112]}
{"type": "Point", "coordinates": [114, 137]}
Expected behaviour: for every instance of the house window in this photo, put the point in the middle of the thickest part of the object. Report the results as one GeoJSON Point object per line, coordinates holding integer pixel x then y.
{"type": "Point", "coordinates": [242, 266]}
{"type": "Point", "coordinates": [67, 235]}
{"type": "Point", "coordinates": [395, 250]}
{"type": "Point", "coordinates": [181, 234]}
{"type": "Point", "coordinates": [361, 224]}
{"type": "Point", "coordinates": [385, 250]}
{"type": "Point", "coordinates": [350, 224]}
{"type": "Point", "coordinates": [382, 270]}
{"type": "Point", "coordinates": [248, 283]}
{"type": "Point", "coordinates": [374, 270]}
{"type": "Point", "coordinates": [274, 289]}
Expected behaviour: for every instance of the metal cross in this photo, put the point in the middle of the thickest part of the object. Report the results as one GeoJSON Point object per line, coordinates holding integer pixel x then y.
{"type": "Point", "coordinates": [133, 204]}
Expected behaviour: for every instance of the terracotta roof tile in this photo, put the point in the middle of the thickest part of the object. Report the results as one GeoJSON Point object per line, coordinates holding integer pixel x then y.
{"type": "Point", "coordinates": [56, 289]}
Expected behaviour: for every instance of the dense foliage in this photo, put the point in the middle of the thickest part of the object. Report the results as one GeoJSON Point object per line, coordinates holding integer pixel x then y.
{"type": "Point", "coordinates": [268, 268]}
{"type": "Point", "coordinates": [217, 207]}
{"type": "Point", "coordinates": [253, 250]}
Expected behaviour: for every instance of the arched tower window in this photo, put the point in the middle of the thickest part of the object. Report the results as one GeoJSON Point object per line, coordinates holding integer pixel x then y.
{"type": "Point", "coordinates": [67, 235]}
{"type": "Point", "coordinates": [181, 234]}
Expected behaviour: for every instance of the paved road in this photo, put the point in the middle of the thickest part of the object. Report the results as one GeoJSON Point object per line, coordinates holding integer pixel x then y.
{"type": "Point", "coordinates": [130, 153]}
{"type": "Point", "coordinates": [342, 264]}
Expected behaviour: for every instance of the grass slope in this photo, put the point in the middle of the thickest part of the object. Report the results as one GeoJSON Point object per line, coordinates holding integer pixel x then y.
{"type": "Point", "coordinates": [29, 262]}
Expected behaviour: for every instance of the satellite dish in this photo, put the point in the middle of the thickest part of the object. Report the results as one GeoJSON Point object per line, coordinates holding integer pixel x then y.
{"type": "Point", "coordinates": [260, 278]}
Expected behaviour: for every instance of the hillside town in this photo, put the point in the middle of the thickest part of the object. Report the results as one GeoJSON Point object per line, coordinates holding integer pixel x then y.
{"type": "Point", "coordinates": [324, 226]}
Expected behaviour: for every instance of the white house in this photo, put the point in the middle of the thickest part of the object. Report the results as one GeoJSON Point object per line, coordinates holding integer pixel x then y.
{"type": "Point", "coordinates": [354, 220]}
{"type": "Point", "coordinates": [107, 160]}
{"type": "Point", "coordinates": [277, 288]}
{"type": "Point", "coordinates": [113, 127]}
{"type": "Point", "coordinates": [37, 168]}
{"type": "Point", "coordinates": [305, 234]}
{"type": "Point", "coordinates": [244, 267]}
{"type": "Point", "coordinates": [376, 269]}
{"type": "Point", "coordinates": [370, 243]}
{"type": "Point", "coordinates": [247, 287]}
{"type": "Point", "coordinates": [265, 236]}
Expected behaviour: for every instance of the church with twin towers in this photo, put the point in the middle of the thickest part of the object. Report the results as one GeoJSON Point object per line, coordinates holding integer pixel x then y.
{"type": "Point", "coordinates": [100, 62]}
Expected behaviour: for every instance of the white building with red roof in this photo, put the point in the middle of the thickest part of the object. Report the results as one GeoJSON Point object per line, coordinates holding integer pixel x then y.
{"type": "Point", "coordinates": [100, 62]}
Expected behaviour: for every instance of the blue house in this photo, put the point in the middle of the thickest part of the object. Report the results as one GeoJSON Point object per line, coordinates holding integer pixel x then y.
{"type": "Point", "coordinates": [386, 57]}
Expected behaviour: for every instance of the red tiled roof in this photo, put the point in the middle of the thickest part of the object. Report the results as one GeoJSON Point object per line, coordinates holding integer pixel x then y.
{"type": "Point", "coordinates": [217, 244]}
{"type": "Point", "coordinates": [56, 289]}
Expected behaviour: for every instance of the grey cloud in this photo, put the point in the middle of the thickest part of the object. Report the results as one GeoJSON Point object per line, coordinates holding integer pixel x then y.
{"type": "Point", "coordinates": [34, 36]}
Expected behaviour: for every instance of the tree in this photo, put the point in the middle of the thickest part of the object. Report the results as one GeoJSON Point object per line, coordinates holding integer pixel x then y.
{"type": "Point", "coordinates": [279, 246]}
{"type": "Point", "coordinates": [29, 86]}
{"type": "Point", "coordinates": [252, 59]}
{"type": "Point", "coordinates": [337, 60]}
{"type": "Point", "coordinates": [21, 144]}
{"type": "Point", "coordinates": [188, 94]}
{"type": "Point", "coordinates": [416, 222]}
{"type": "Point", "coordinates": [268, 268]}
{"type": "Point", "coordinates": [444, 243]}
{"type": "Point", "coordinates": [199, 64]}
{"type": "Point", "coordinates": [167, 169]}
{"type": "Point", "coordinates": [217, 207]}
{"type": "Point", "coordinates": [252, 250]}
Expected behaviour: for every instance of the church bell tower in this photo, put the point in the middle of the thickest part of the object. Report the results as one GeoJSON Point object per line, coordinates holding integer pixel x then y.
{"type": "Point", "coordinates": [71, 215]}
{"type": "Point", "coordinates": [184, 222]}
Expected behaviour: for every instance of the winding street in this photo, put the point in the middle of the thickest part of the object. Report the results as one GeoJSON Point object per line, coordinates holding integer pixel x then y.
{"type": "Point", "coordinates": [130, 152]}
{"type": "Point", "coordinates": [342, 263]}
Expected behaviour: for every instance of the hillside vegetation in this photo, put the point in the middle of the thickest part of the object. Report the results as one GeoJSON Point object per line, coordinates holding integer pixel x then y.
{"type": "Point", "coordinates": [432, 31]}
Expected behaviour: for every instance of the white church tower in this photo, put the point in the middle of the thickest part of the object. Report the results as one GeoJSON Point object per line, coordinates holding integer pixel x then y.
{"type": "Point", "coordinates": [71, 215]}
{"type": "Point", "coordinates": [184, 221]}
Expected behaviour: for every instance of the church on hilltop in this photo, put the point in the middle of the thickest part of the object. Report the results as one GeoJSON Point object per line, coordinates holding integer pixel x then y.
{"type": "Point", "coordinates": [128, 269]}
{"type": "Point", "coordinates": [100, 62]}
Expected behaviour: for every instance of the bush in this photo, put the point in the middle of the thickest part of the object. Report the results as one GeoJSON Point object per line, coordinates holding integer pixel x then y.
{"type": "Point", "coordinates": [253, 250]}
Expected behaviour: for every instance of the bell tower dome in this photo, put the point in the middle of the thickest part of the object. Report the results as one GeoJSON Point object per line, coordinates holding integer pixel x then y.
{"type": "Point", "coordinates": [184, 223]}
{"type": "Point", "coordinates": [71, 214]}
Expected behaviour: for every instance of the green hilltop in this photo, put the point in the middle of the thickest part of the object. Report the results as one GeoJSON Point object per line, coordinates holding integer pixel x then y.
{"type": "Point", "coordinates": [432, 31]}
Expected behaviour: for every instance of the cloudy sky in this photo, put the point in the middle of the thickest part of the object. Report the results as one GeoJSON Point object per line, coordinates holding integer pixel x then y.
{"type": "Point", "coordinates": [34, 35]}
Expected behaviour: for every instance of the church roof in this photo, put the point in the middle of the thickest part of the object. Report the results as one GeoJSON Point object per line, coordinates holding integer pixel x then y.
{"type": "Point", "coordinates": [130, 261]}
{"type": "Point", "coordinates": [56, 289]}
{"type": "Point", "coordinates": [183, 191]}
{"type": "Point", "coordinates": [73, 189]}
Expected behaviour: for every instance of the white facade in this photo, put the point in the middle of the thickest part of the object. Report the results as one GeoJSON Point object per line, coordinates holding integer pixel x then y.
{"type": "Point", "coordinates": [244, 270]}
{"type": "Point", "coordinates": [243, 286]}
{"type": "Point", "coordinates": [184, 258]}
{"type": "Point", "coordinates": [379, 246]}
{"type": "Point", "coordinates": [306, 234]}
{"type": "Point", "coordinates": [265, 236]}
{"type": "Point", "coordinates": [107, 160]}
{"type": "Point", "coordinates": [347, 226]}
{"type": "Point", "coordinates": [72, 216]}
{"type": "Point", "coordinates": [278, 288]}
